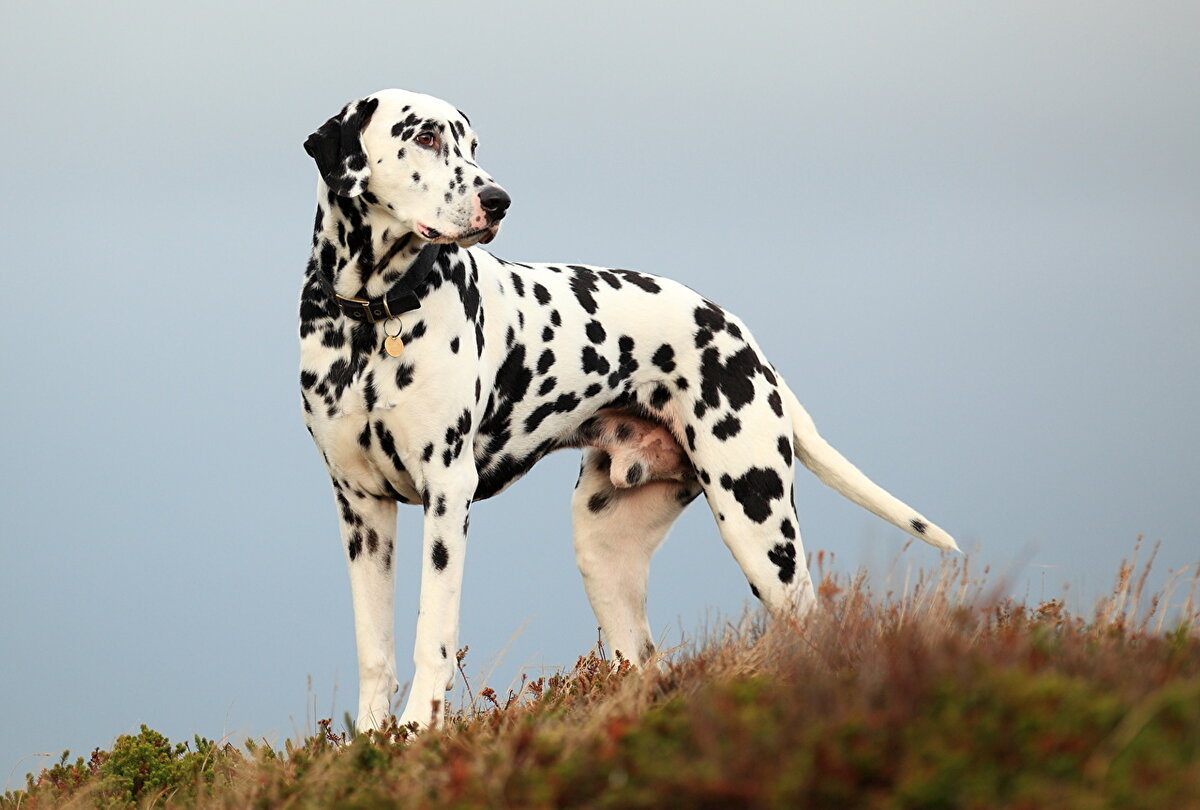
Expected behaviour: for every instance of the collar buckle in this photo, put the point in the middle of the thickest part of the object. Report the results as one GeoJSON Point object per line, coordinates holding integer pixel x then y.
{"type": "Point", "coordinates": [397, 300]}
{"type": "Point", "coordinates": [363, 310]}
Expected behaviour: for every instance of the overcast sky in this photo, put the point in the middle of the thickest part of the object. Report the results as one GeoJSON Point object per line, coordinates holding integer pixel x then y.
{"type": "Point", "coordinates": [966, 233]}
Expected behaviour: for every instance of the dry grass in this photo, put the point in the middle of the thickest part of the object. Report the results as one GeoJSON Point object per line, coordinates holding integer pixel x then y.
{"type": "Point", "coordinates": [942, 695]}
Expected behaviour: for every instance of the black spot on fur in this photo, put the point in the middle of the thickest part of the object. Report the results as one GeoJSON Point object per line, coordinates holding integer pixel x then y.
{"type": "Point", "coordinates": [755, 490]}
{"type": "Point", "coordinates": [387, 443]}
{"type": "Point", "coordinates": [634, 474]}
{"type": "Point", "coordinates": [370, 397]}
{"type": "Point", "coordinates": [641, 280]}
{"type": "Point", "coordinates": [349, 516]}
{"type": "Point", "coordinates": [610, 279]}
{"type": "Point", "coordinates": [404, 376]}
{"type": "Point", "coordinates": [441, 555]}
{"type": "Point", "coordinates": [664, 358]}
{"type": "Point", "coordinates": [918, 526]}
{"type": "Point", "coordinates": [564, 404]}
{"type": "Point", "coordinates": [595, 332]}
{"type": "Point", "coordinates": [334, 338]}
{"type": "Point", "coordinates": [513, 378]}
{"type": "Point", "coordinates": [785, 449]}
{"type": "Point", "coordinates": [592, 362]}
{"type": "Point", "coordinates": [583, 284]}
{"type": "Point", "coordinates": [418, 331]}
{"type": "Point", "coordinates": [597, 502]}
{"type": "Point", "coordinates": [783, 555]}
{"type": "Point", "coordinates": [727, 428]}
{"type": "Point", "coordinates": [734, 378]}
{"type": "Point", "coordinates": [709, 316]}
{"type": "Point", "coordinates": [787, 529]}
{"type": "Point", "coordinates": [626, 365]}
{"type": "Point", "coordinates": [660, 397]}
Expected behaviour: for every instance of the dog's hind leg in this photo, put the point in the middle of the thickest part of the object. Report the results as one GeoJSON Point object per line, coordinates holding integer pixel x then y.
{"type": "Point", "coordinates": [368, 528]}
{"type": "Point", "coordinates": [616, 533]}
{"type": "Point", "coordinates": [750, 493]}
{"type": "Point", "coordinates": [770, 554]}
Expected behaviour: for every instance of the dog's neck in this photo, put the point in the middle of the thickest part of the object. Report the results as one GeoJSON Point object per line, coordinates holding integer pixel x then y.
{"type": "Point", "coordinates": [358, 249]}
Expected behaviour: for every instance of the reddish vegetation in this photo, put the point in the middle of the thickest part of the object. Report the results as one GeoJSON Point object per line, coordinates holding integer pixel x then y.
{"type": "Point", "coordinates": [940, 698]}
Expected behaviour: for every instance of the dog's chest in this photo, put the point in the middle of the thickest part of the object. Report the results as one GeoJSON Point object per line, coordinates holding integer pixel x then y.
{"type": "Point", "coordinates": [365, 409]}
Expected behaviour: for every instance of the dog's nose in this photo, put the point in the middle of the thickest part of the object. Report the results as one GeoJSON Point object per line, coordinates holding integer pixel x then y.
{"type": "Point", "coordinates": [495, 201]}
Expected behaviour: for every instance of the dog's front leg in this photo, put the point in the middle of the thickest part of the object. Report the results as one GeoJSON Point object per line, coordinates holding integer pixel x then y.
{"type": "Point", "coordinates": [368, 527]}
{"type": "Point", "coordinates": [447, 500]}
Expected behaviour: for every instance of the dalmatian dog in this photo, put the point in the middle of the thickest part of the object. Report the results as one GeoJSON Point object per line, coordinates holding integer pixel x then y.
{"type": "Point", "coordinates": [435, 373]}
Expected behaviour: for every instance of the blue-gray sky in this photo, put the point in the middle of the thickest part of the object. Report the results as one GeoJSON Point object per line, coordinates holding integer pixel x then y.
{"type": "Point", "coordinates": [966, 233]}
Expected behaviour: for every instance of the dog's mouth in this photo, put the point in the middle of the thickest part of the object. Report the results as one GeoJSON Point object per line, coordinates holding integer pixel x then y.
{"type": "Point", "coordinates": [463, 239]}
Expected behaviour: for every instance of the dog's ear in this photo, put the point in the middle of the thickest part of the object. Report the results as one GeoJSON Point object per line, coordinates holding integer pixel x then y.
{"type": "Point", "coordinates": [338, 150]}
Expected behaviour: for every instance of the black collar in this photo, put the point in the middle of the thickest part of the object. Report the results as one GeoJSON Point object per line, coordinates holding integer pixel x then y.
{"type": "Point", "coordinates": [400, 298]}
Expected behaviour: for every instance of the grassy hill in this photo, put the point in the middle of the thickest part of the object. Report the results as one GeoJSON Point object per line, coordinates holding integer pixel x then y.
{"type": "Point", "coordinates": [941, 697]}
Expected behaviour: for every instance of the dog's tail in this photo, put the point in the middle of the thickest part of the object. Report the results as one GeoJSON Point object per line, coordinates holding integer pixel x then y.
{"type": "Point", "coordinates": [836, 472]}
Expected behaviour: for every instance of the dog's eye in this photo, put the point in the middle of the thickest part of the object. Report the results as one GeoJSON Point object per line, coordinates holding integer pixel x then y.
{"type": "Point", "coordinates": [427, 139]}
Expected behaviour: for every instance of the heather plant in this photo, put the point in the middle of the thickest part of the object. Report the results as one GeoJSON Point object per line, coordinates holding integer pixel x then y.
{"type": "Point", "coordinates": [942, 694]}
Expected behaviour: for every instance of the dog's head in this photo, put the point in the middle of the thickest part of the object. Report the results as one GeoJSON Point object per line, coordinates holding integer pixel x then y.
{"type": "Point", "coordinates": [411, 157]}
